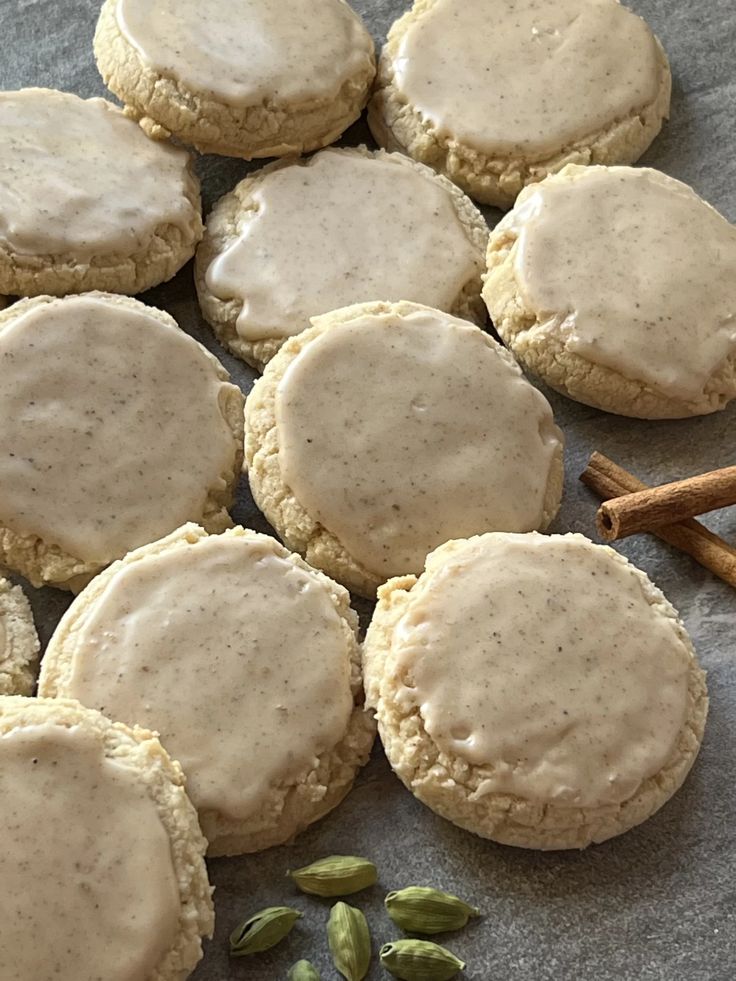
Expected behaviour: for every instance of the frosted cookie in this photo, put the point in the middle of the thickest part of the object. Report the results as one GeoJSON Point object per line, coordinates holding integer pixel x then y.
{"type": "Point", "coordinates": [247, 78]}
{"type": "Point", "coordinates": [102, 860]}
{"type": "Point", "coordinates": [18, 642]}
{"type": "Point", "coordinates": [385, 429]}
{"type": "Point", "coordinates": [298, 239]}
{"type": "Point", "coordinates": [117, 428]}
{"type": "Point", "coordinates": [536, 690]}
{"type": "Point", "coordinates": [86, 201]}
{"type": "Point", "coordinates": [498, 94]}
{"type": "Point", "coordinates": [617, 286]}
{"type": "Point", "coordinates": [245, 661]}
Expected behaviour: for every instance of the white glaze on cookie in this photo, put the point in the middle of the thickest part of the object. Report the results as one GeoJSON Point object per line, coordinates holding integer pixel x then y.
{"type": "Point", "coordinates": [399, 432]}
{"type": "Point", "coordinates": [233, 653]}
{"type": "Point", "coordinates": [244, 52]}
{"type": "Point", "coordinates": [80, 178]}
{"type": "Point", "coordinates": [88, 884]}
{"type": "Point", "coordinates": [345, 228]}
{"type": "Point", "coordinates": [544, 660]}
{"type": "Point", "coordinates": [633, 270]}
{"type": "Point", "coordinates": [527, 76]}
{"type": "Point", "coordinates": [113, 428]}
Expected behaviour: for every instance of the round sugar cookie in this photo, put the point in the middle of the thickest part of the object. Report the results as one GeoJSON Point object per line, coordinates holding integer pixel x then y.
{"type": "Point", "coordinates": [19, 645]}
{"type": "Point", "coordinates": [244, 659]}
{"type": "Point", "coordinates": [102, 863]}
{"type": "Point", "coordinates": [537, 690]}
{"type": "Point", "coordinates": [117, 428]}
{"type": "Point", "coordinates": [86, 201]}
{"type": "Point", "coordinates": [617, 286]}
{"type": "Point", "coordinates": [498, 94]}
{"type": "Point", "coordinates": [301, 238]}
{"type": "Point", "coordinates": [245, 78]}
{"type": "Point", "coordinates": [385, 429]}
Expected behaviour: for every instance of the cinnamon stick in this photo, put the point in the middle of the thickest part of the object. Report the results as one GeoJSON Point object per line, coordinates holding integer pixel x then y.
{"type": "Point", "coordinates": [611, 481]}
{"type": "Point", "coordinates": [647, 509]}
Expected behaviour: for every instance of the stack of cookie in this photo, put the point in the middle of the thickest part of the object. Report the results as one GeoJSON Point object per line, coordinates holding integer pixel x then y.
{"type": "Point", "coordinates": [535, 689]}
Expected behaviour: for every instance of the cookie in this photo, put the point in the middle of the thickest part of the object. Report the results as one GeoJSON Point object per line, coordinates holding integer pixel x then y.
{"type": "Point", "coordinates": [245, 661]}
{"type": "Point", "coordinates": [385, 429]}
{"type": "Point", "coordinates": [87, 202]}
{"type": "Point", "coordinates": [18, 642]}
{"type": "Point", "coordinates": [497, 95]}
{"type": "Point", "coordinates": [301, 238]}
{"type": "Point", "coordinates": [537, 690]}
{"type": "Point", "coordinates": [245, 78]}
{"type": "Point", "coordinates": [102, 860]}
{"type": "Point", "coordinates": [617, 286]}
{"type": "Point", "coordinates": [117, 428]}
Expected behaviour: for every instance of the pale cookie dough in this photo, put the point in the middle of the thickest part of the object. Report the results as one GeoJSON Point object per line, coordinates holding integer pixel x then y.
{"type": "Point", "coordinates": [245, 661]}
{"type": "Point", "coordinates": [298, 239]}
{"type": "Point", "coordinates": [537, 690]}
{"type": "Point", "coordinates": [246, 78]}
{"type": "Point", "coordinates": [498, 94]}
{"type": "Point", "coordinates": [617, 286]}
{"type": "Point", "coordinates": [117, 428]}
{"type": "Point", "coordinates": [18, 642]}
{"type": "Point", "coordinates": [86, 201]}
{"type": "Point", "coordinates": [102, 864]}
{"type": "Point", "coordinates": [385, 429]}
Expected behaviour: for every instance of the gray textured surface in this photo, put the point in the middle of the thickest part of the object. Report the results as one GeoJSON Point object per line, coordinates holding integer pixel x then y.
{"type": "Point", "coordinates": [657, 903]}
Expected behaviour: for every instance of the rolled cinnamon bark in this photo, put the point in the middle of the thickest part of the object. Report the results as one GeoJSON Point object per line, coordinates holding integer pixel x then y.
{"type": "Point", "coordinates": [611, 481]}
{"type": "Point", "coordinates": [645, 510]}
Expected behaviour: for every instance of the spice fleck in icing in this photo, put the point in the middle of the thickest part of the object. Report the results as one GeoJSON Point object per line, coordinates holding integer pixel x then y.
{"type": "Point", "coordinates": [526, 75]}
{"type": "Point", "coordinates": [113, 431]}
{"type": "Point", "coordinates": [542, 660]}
{"type": "Point", "coordinates": [343, 229]}
{"type": "Point", "coordinates": [88, 883]}
{"type": "Point", "coordinates": [634, 270]}
{"type": "Point", "coordinates": [249, 51]}
{"type": "Point", "coordinates": [397, 433]}
{"type": "Point", "coordinates": [105, 186]}
{"type": "Point", "coordinates": [234, 654]}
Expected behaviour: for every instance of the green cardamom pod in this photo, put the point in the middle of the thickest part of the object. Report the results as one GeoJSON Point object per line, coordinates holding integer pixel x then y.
{"type": "Point", "coordinates": [419, 960]}
{"type": "Point", "coordinates": [337, 875]}
{"type": "Point", "coordinates": [303, 971]}
{"type": "Point", "coordinates": [419, 909]}
{"type": "Point", "coordinates": [350, 941]}
{"type": "Point", "coordinates": [263, 930]}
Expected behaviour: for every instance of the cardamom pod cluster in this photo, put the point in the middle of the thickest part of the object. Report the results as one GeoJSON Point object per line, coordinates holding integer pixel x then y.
{"type": "Point", "coordinates": [419, 909]}
{"type": "Point", "coordinates": [419, 960]}
{"type": "Point", "coordinates": [416, 909]}
{"type": "Point", "coordinates": [337, 875]}
{"type": "Point", "coordinates": [303, 971]}
{"type": "Point", "coordinates": [350, 941]}
{"type": "Point", "coordinates": [263, 930]}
